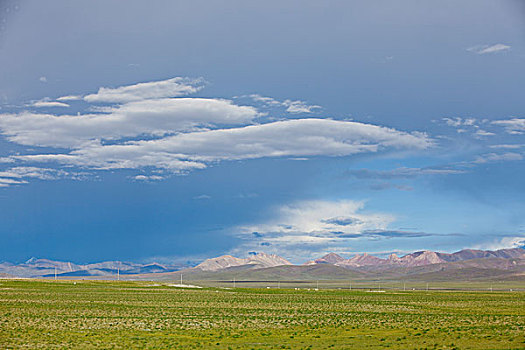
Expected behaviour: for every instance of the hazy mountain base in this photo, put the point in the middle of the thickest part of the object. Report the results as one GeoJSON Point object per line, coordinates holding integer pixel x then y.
{"type": "Point", "coordinates": [460, 272]}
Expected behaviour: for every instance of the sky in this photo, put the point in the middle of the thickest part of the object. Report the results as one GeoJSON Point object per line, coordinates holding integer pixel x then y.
{"type": "Point", "coordinates": [177, 131]}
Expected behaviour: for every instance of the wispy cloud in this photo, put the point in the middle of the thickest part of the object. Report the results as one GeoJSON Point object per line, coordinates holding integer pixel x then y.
{"type": "Point", "coordinates": [148, 177]}
{"type": "Point", "coordinates": [46, 103]}
{"type": "Point", "coordinates": [483, 133]}
{"type": "Point", "coordinates": [20, 175]}
{"type": "Point", "coordinates": [294, 107]}
{"type": "Point", "coordinates": [395, 234]}
{"type": "Point", "coordinates": [5, 182]}
{"type": "Point", "coordinates": [503, 243]}
{"type": "Point", "coordinates": [34, 172]}
{"type": "Point", "coordinates": [150, 90]}
{"type": "Point", "coordinates": [400, 173]}
{"type": "Point", "coordinates": [381, 186]}
{"type": "Point", "coordinates": [476, 127]}
{"type": "Point", "coordinates": [485, 49]}
{"type": "Point", "coordinates": [498, 157]}
{"type": "Point", "coordinates": [507, 146]}
{"type": "Point", "coordinates": [515, 126]}
{"type": "Point", "coordinates": [69, 98]}
{"type": "Point", "coordinates": [458, 121]}
{"type": "Point", "coordinates": [202, 197]}
{"type": "Point", "coordinates": [298, 107]}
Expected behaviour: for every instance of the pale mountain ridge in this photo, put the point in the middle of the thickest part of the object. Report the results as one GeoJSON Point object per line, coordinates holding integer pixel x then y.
{"type": "Point", "coordinates": [330, 258]}
{"type": "Point", "coordinates": [258, 260]}
{"type": "Point", "coordinates": [362, 260]}
{"type": "Point", "coordinates": [36, 267]}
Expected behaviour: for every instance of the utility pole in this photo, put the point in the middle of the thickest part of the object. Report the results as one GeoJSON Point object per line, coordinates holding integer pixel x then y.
{"type": "Point", "coordinates": [279, 285]}
{"type": "Point", "coordinates": [181, 279]}
{"type": "Point", "coordinates": [404, 286]}
{"type": "Point", "coordinates": [427, 287]}
{"type": "Point", "coordinates": [118, 271]}
{"type": "Point", "coordinates": [350, 285]}
{"type": "Point", "coordinates": [55, 273]}
{"type": "Point", "coordinates": [317, 284]}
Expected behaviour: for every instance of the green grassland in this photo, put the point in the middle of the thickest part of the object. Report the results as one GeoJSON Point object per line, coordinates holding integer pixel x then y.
{"type": "Point", "coordinates": [129, 315]}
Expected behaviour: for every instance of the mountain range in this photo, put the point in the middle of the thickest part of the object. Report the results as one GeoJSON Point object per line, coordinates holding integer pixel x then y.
{"type": "Point", "coordinates": [420, 258]}
{"type": "Point", "coordinates": [424, 265]}
{"type": "Point", "coordinates": [34, 268]}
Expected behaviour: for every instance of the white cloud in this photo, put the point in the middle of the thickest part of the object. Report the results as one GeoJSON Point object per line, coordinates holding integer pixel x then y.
{"type": "Point", "coordinates": [5, 182]}
{"type": "Point", "coordinates": [6, 160]}
{"type": "Point", "coordinates": [318, 219]}
{"type": "Point", "coordinates": [482, 133]}
{"type": "Point", "coordinates": [150, 90]}
{"type": "Point", "coordinates": [43, 79]}
{"type": "Point", "coordinates": [503, 243]}
{"type": "Point", "coordinates": [148, 178]}
{"type": "Point", "coordinates": [458, 121]}
{"type": "Point", "coordinates": [514, 126]}
{"type": "Point", "coordinates": [19, 175]}
{"type": "Point", "coordinates": [297, 229]}
{"type": "Point", "coordinates": [484, 49]}
{"type": "Point", "coordinates": [33, 172]}
{"type": "Point", "coordinates": [506, 146]}
{"type": "Point", "coordinates": [294, 107]}
{"type": "Point", "coordinates": [151, 117]}
{"type": "Point", "coordinates": [498, 157]}
{"type": "Point", "coordinates": [47, 104]}
{"type": "Point", "coordinates": [472, 125]}
{"type": "Point", "coordinates": [300, 137]}
{"type": "Point", "coordinates": [463, 125]}
{"type": "Point", "coordinates": [297, 107]}
{"type": "Point", "coordinates": [69, 98]}
{"type": "Point", "coordinates": [104, 159]}
{"type": "Point", "coordinates": [265, 100]}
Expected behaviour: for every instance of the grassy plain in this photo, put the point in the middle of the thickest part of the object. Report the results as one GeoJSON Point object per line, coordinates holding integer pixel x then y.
{"type": "Point", "coordinates": [128, 315]}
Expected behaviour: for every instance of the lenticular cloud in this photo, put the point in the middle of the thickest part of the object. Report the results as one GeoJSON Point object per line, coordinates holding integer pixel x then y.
{"type": "Point", "coordinates": [148, 125]}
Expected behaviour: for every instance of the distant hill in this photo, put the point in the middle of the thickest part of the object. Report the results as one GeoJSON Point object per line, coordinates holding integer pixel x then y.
{"type": "Point", "coordinates": [258, 260]}
{"type": "Point", "coordinates": [330, 258]}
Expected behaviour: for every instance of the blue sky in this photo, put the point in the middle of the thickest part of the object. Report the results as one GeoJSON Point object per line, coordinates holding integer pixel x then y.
{"type": "Point", "coordinates": [176, 131]}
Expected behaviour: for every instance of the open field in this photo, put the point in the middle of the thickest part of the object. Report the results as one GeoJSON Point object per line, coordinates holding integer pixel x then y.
{"type": "Point", "coordinates": [383, 285]}
{"type": "Point", "coordinates": [89, 314]}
